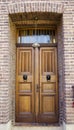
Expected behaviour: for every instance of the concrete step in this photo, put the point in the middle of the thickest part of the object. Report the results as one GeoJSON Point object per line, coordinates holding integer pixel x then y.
{"type": "Point", "coordinates": [37, 128]}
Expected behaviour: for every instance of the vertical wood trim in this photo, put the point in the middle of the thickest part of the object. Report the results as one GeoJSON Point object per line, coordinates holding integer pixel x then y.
{"type": "Point", "coordinates": [46, 61]}
{"type": "Point", "coordinates": [40, 75]}
{"type": "Point", "coordinates": [17, 71]}
{"type": "Point", "coordinates": [42, 62]}
{"type": "Point", "coordinates": [50, 61]}
{"type": "Point", "coordinates": [36, 80]}
{"type": "Point", "coordinates": [54, 58]}
{"type": "Point", "coordinates": [22, 61]}
{"type": "Point", "coordinates": [57, 91]}
{"type": "Point", "coordinates": [33, 79]}
{"type": "Point", "coordinates": [30, 62]}
{"type": "Point", "coordinates": [19, 53]}
{"type": "Point", "coordinates": [27, 62]}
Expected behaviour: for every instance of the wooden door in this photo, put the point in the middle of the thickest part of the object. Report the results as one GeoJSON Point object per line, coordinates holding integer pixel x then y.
{"type": "Point", "coordinates": [37, 96]}
{"type": "Point", "coordinates": [25, 88]}
{"type": "Point", "coordinates": [48, 87]}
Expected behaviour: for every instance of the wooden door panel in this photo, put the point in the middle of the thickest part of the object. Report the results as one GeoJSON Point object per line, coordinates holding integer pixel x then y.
{"type": "Point", "coordinates": [25, 88]}
{"type": "Point", "coordinates": [46, 101]}
{"type": "Point", "coordinates": [48, 88]}
{"type": "Point", "coordinates": [47, 60]}
{"type": "Point", "coordinates": [25, 61]}
{"type": "Point", "coordinates": [52, 79]}
{"type": "Point", "coordinates": [29, 77]}
{"type": "Point", "coordinates": [25, 104]}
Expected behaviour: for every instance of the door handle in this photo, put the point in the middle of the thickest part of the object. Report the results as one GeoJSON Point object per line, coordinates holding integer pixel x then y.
{"type": "Point", "coordinates": [48, 77]}
{"type": "Point", "coordinates": [37, 87]}
{"type": "Point", "coordinates": [24, 77]}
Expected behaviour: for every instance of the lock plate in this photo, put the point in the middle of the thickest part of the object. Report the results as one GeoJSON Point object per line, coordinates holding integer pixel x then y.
{"type": "Point", "coordinates": [37, 87]}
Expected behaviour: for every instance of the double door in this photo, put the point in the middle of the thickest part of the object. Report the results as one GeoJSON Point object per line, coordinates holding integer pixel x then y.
{"type": "Point", "coordinates": [36, 85]}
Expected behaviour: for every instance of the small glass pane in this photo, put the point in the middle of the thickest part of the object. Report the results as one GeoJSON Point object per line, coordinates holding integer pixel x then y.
{"type": "Point", "coordinates": [39, 36]}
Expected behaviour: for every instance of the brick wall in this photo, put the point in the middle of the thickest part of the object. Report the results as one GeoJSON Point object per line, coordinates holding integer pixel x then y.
{"type": "Point", "coordinates": [60, 67]}
{"type": "Point", "coordinates": [4, 64]}
{"type": "Point", "coordinates": [65, 55]}
{"type": "Point", "coordinates": [68, 60]}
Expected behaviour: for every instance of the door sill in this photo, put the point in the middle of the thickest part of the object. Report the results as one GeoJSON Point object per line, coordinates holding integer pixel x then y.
{"type": "Point", "coordinates": [37, 124]}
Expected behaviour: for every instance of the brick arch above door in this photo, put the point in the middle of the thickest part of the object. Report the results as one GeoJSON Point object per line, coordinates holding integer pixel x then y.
{"type": "Point", "coordinates": [35, 6]}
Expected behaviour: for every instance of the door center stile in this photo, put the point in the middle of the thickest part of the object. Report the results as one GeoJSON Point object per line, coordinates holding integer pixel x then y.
{"type": "Point", "coordinates": [36, 81]}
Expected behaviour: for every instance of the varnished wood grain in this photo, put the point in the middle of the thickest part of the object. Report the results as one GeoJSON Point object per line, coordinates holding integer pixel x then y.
{"type": "Point", "coordinates": [36, 98]}
{"type": "Point", "coordinates": [48, 89]}
{"type": "Point", "coordinates": [25, 88]}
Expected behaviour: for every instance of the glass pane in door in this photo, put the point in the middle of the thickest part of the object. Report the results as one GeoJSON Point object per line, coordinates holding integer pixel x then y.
{"type": "Point", "coordinates": [38, 35]}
